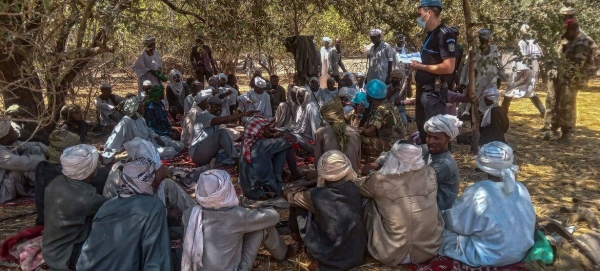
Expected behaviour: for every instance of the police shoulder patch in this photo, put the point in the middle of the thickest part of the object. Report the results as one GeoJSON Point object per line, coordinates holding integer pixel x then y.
{"type": "Point", "coordinates": [451, 45]}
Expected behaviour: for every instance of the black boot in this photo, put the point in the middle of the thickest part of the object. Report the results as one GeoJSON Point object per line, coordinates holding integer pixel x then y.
{"type": "Point", "coordinates": [539, 105]}
{"type": "Point", "coordinates": [506, 103]}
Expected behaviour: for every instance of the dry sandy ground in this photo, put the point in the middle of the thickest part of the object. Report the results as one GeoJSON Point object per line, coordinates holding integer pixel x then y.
{"type": "Point", "coordinates": [556, 176]}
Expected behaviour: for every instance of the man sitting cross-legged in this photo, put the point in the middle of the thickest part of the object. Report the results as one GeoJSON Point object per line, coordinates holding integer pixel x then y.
{"type": "Point", "coordinates": [328, 218]}
{"type": "Point", "coordinates": [220, 235]}
{"type": "Point", "coordinates": [402, 218]}
{"type": "Point", "coordinates": [130, 231]}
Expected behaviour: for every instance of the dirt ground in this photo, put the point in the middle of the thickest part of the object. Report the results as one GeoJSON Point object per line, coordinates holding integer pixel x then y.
{"type": "Point", "coordinates": [559, 178]}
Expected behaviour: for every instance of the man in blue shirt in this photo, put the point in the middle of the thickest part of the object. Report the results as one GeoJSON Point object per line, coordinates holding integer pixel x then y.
{"type": "Point", "coordinates": [438, 61]}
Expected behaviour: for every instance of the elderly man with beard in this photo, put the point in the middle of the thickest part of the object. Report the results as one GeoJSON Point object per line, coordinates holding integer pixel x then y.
{"type": "Point", "coordinates": [441, 130]}
{"type": "Point", "coordinates": [402, 216]}
{"type": "Point", "coordinates": [70, 204]}
{"type": "Point", "coordinates": [130, 231]}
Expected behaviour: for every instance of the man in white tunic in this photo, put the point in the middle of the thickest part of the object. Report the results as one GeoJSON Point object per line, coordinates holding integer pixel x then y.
{"type": "Point", "coordinates": [257, 99]}
{"type": "Point", "coordinates": [149, 64]}
{"type": "Point", "coordinates": [107, 105]}
{"type": "Point", "coordinates": [522, 82]}
{"type": "Point", "coordinates": [493, 221]}
{"type": "Point", "coordinates": [134, 125]}
{"type": "Point", "coordinates": [308, 120]}
{"type": "Point", "coordinates": [325, 51]}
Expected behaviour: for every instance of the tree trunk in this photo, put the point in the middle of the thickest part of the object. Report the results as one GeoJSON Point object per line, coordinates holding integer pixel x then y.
{"type": "Point", "coordinates": [471, 87]}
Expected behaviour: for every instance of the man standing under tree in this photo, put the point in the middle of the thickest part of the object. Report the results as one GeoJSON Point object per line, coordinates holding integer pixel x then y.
{"type": "Point", "coordinates": [570, 75]}
{"type": "Point", "coordinates": [438, 59]}
{"type": "Point", "coordinates": [335, 61]}
{"type": "Point", "coordinates": [380, 57]}
{"type": "Point", "coordinates": [202, 60]}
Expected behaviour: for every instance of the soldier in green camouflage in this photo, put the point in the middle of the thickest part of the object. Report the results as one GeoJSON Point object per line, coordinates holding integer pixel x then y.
{"type": "Point", "coordinates": [383, 125]}
{"type": "Point", "coordinates": [571, 71]}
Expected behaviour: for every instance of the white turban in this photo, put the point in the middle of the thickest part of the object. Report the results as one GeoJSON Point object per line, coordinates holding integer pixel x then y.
{"type": "Point", "coordinates": [334, 166]}
{"type": "Point", "coordinates": [259, 82]}
{"type": "Point", "coordinates": [214, 190]}
{"type": "Point", "coordinates": [4, 128]}
{"type": "Point", "coordinates": [79, 162]}
{"type": "Point", "coordinates": [496, 158]}
{"type": "Point", "coordinates": [137, 177]}
{"type": "Point", "coordinates": [326, 39]}
{"type": "Point", "coordinates": [374, 32]}
{"type": "Point", "coordinates": [491, 94]}
{"type": "Point", "coordinates": [404, 157]}
{"type": "Point", "coordinates": [147, 83]}
{"type": "Point", "coordinates": [203, 95]}
{"type": "Point", "coordinates": [447, 124]}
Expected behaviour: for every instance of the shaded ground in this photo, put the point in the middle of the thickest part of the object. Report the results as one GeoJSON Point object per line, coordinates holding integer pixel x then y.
{"type": "Point", "coordinates": [556, 176]}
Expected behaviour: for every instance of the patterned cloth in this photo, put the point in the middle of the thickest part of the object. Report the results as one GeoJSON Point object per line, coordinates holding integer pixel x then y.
{"type": "Point", "coordinates": [131, 105]}
{"type": "Point", "coordinates": [59, 141]}
{"type": "Point", "coordinates": [137, 177]}
{"type": "Point", "coordinates": [253, 133]}
{"type": "Point", "coordinates": [333, 113]}
{"type": "Point", "coordinates": [390, 127]}
{"type": "Point", "coordinates": [441, 263]}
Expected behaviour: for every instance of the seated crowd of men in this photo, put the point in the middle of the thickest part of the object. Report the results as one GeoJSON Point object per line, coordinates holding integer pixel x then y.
{"type": "Point", "coordinates": [101, 213]}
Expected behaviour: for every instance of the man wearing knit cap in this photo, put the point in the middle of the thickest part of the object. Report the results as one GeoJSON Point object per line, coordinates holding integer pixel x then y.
{"type": "Point", "coordinates": [70, 204]}
{"type": "Point", "coordinates": [380, 57]}
{"type": "Point", "coordinates": [17, 166]}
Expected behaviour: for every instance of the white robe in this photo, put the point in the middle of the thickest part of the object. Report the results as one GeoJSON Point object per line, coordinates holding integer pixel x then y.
{"type": "Point", "coordinates": [487, 227]}
{"type": "Point", "coordinates": [127, 129]}
{"type": "Point", "coordinates": [17, 167]}
{"type": "Point", "coordinates": [261, 102]}
{"type": "Point", "coordinates": [324, 66]}
{"type": "Point", "coordinates": [142, 66]}
{"type": "Point", "coordinates": [107, 108]}
{"type": "Point", "coordinates": [308, 121]}
{"type": "Point", "coordinates": [532, 51]}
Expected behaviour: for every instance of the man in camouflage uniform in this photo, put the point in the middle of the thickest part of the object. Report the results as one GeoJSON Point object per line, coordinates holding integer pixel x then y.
{"type": "Point", "coordinates": [572, 69]}
{"type": "Point", "coordinates": [383, 125]}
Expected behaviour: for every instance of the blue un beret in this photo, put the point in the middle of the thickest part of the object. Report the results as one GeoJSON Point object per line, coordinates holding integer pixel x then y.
{"type": "Point", "coordinates": [431, 3]}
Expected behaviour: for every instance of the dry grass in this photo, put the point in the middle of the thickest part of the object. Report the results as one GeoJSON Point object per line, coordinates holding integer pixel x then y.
{"type": "Point", "coordinates": [556, 176]}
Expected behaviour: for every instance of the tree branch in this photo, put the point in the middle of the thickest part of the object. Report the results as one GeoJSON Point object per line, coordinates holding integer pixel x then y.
{"type": "Point", "coordinates": [83, 24]}
{"type": "Point", "coordinates": [184, 12]}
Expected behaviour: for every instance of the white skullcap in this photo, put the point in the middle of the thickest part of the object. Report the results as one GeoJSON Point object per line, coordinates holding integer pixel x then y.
{"type": "Point", "coordinates": [334, 166]}
{"type": "Point", "coordinates": [147, 83]}
{"type": "Point", "coordinates": [4, 128]}
{"type": "Point", "coordinates": [447, 124]}
{"type": "Point", "coordinates": [496, 158]}
{"type": "Point", "coordinates": [374, 32]}
{"type": "Point", "coordinates": [140, 148]}
{"type": "Point", "coordinates": [326, 39]}
{"type": "Point", "coordinates": [360, 74]}
{"type": "Point", "coordinates": [259, 82]}
{"type": "Point", "coordinates": [79, 162]}
{"type": "Point", "coordinates": [214, 190]}
{"type": "Point", "coordinates": [404, 157]}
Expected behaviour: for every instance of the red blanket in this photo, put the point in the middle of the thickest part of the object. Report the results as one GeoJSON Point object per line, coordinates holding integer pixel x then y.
{"type": "Point", "coordinates": [8, 244]}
